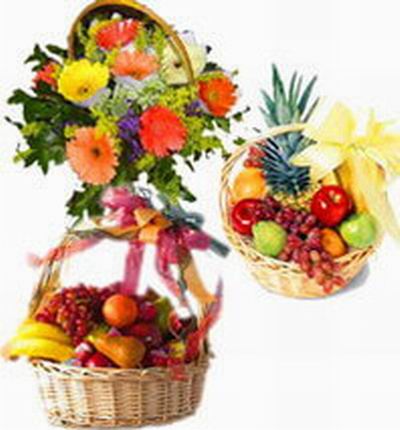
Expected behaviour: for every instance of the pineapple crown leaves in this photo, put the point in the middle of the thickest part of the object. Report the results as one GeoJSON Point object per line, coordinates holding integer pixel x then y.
{"type": "Point", "coordinates": [288, 106]}
{"type": "Point", "coordinates": [281, 175]}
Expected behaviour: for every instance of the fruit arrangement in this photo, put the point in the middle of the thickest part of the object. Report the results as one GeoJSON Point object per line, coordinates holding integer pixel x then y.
{"type": "Point", "coordinates": [102, 328]}
{"type": "Point", "coordinates": [129, 98]}
{"type": "Point", "coordinates": [306, 199]}
{"type": "Point", "coordinates": [312, 239]}
{"type": "Point", "coordinates": [115, 326]}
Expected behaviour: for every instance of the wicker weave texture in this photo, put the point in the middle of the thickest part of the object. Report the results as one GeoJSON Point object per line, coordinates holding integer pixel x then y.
{"type": "Point", "coordinates": [75, 397]}
{"type": "Point", "coordinates": [277, 276]}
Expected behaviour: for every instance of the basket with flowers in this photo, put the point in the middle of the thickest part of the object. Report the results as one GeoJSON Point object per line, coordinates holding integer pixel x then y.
{"type": "Point", "coordinates": [129, 99]}
{"type": "Point", "coordinates": [118, 356]}
{"type": "Point", "coordinates": [308, 207]}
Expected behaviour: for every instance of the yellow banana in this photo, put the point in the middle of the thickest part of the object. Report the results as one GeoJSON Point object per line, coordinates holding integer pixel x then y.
{"type": "Point", "coordinates": [347, 181]}
{"type": "Point", "coordinates": [37, 330]}
{"type": "Point", "coordinates": [40, 348]}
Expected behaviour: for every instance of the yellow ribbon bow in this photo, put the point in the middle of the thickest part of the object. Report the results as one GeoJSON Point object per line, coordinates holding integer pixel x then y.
{"type": "Point", "coordinates": [364, 152]}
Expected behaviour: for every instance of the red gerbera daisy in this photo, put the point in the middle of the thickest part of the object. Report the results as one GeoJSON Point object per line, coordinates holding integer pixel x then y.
{"type": "Point", "coordinates": [162, 131]}
{"type": "Point", "coordinates": [117, 34]}
{"type": "Point", "coordinates": [219, 95]}
{"type": "Point", "coordinates": [47, 75]}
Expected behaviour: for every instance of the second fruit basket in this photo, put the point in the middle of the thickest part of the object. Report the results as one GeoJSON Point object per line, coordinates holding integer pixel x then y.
{"type": "Point", "coordinates": [285, 278]}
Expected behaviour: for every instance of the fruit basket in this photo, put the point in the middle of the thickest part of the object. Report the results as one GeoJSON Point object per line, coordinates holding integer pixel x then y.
{"type": "Point", "coordinates": [306, 205]}
{"type": "Point", "coordinates": [281, 277]}
{"type": "Point", "coordinates": [117, 356]}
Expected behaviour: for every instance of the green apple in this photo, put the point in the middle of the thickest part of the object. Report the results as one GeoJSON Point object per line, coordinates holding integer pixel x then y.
{"type": "Point", "coordinates": [269, 238]}
{"type": "Point", "coordinates": [359, 231]}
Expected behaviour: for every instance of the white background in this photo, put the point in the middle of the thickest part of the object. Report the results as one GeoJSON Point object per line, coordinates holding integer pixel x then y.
{"type": "Point", "coordinates": [281, 364]}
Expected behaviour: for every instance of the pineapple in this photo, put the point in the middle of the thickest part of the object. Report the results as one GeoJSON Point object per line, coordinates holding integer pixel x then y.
{"type": "Point", "coordinates": [288, 182]}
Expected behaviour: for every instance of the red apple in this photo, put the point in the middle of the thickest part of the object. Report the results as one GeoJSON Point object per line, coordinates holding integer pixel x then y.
{"type": "Point", "coordinates": [149, 334]}
{"type": "Point", "coordinates": [331, 205]}
{"type": "Point", "coordinates": [147, 312]}
{"type": "Point", "coordinates": [84, 352]}
{"type": "Point", "coordinates": [246, 214]}
{"type": "Point", "coordinates": [99, 361]}
{"type": "Point", "coordinates": [156, 358]}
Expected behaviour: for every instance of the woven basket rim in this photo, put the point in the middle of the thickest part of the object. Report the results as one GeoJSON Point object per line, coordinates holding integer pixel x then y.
{"type": "Point", "coordinates": [60, 368]}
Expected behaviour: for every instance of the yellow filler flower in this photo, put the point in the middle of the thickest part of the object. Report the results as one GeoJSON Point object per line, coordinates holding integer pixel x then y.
{"type": "Point", "coordinates": [81, 80]}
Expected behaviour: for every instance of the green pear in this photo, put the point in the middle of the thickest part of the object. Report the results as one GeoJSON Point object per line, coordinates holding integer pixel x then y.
{"type": "Point", "coordinates": [269, 238]}
{"type": "Point", "coordinates": [359, 231]}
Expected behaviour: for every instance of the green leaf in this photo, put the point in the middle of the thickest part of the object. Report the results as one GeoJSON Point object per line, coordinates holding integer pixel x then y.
{"type": "Point", "coordinates": [224, 124]}
{"type": "Point", "coordinates": [165, 178]}
{"type": "Point", "coordinates": [59, 52]}
{"type": "Point", "coordinates": [86, 201]}
{"type": "Point", "coordinates": [40, 57]}
{"type": "Point", "coordinates": [19, 97]}
{"type": "Point", "coordinates": [239, 141]}
{"type": "Point", "coordinates": [279, 88]}
{"type": "Point", "coordinates": [306, 95]}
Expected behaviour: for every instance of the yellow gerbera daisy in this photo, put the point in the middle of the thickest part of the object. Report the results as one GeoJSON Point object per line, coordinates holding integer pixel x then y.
{"type": "Point", "coordinates": [81, 80]}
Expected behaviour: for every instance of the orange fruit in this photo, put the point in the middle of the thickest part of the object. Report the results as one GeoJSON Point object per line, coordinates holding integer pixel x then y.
{"type": "Point", "coordinates": [120, 311]}
{"type": "Point", "coordinates": [249, 184]}
{"type": "Point", "coordinates": [333, 244]}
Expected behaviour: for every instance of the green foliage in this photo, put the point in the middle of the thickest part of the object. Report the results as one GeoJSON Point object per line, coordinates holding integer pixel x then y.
{"type": "Point", "coordinates": [45, 120]}
{"type": "Point", "coordinates": [40, 57]}
{"type": "Point", "coordinates": [159, 40]}
{"type": "Point", "coordinates": [178, 98]}
{"type": "Point", "coordinates": [165, 178]}
{"type": "Point", "coordinates": [86, 201]}
{"type": "Point", "coordinates": [150, 95]}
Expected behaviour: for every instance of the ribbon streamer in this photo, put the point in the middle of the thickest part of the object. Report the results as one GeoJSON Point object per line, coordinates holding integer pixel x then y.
{"type": "Point", "coordinates": [364, 153]}
{"type": "Point", "coordinates": [135, 220]}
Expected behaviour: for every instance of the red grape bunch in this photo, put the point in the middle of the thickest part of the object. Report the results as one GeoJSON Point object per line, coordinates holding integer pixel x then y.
{"type": "Point", "coordinates": [76, 310]}
{"type": "Point", "coordinates": [304, 244]}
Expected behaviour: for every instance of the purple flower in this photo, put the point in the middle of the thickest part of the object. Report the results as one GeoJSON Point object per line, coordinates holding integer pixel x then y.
{"type": "Point", "coordinates": [195, 108]}
{"type": "Point", "coordinates": [129, 127]}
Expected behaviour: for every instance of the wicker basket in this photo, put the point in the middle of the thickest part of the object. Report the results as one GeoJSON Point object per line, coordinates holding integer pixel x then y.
{"type": "Point", "coordinates": [278, 276]}
{"type": "Point", "coordinates": [76, 397]}
{"type": "Point", "coordinates": [80, 397]}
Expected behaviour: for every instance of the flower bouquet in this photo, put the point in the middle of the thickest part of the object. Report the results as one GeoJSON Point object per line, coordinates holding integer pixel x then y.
{"type": "Point", "coordinates": [128, 100]}
{"type": "Point", "coordinates": [117, 356]}
{"type": "Point", "coordinates": [309, 205]}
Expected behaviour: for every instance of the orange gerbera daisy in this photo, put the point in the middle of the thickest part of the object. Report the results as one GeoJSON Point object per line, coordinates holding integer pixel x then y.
{"type": "Point", "coordinates": [137, 65]}
{"type": "Point", "coordinates": [219, 95]}
{"type": "Point", "coordinates": [162, 131]}
{"type": "Point", "coordinates": [117, 34]}
{"type": "Point", "coordinates": [92, 156]}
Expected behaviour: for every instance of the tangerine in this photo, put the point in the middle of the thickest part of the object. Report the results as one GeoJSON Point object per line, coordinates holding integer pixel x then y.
{"type": "Point", "coordinates": [249, 184]}
{"type": "Point", "coordinates": [120, 311]}
{"type": "Point", "coordinates": [333, 244]}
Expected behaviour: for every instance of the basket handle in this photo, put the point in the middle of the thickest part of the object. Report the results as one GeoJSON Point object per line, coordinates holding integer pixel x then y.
{"type": "Point", "coordinates": [176, 42]}
{"type": "Point", "coordinates": [224, 197]}
{"type": "Point", "coordinates": [50, 281]}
